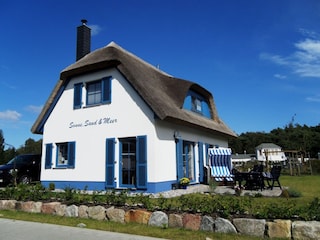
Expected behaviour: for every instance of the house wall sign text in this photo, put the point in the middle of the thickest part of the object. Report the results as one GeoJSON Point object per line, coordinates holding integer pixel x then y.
{"type": "Point", "coordinates": [97, 122]}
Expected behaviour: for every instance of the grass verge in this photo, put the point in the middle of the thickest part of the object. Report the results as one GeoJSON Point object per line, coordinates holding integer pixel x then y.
{"type": "Point", "coordinates": [130, 228]}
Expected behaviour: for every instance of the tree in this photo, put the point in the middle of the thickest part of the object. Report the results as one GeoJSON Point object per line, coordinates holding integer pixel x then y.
{"type": "Point", "coordinates": [291, 137]}
{"type": "Point", "coordinates": [31, 146]}
{"type": "Point", "coordinates": [1, 147]}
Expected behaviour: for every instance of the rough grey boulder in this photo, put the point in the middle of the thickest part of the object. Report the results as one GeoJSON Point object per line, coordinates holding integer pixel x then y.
{"type": "Point", "coordinates": [158, 219]}
{"type": "Point", "coordinates": [253, 227]}
{"type": "Point", "coordinates": [306, 230]}
{"type": "Point", "coordinates": [224, 226]}
{"type": "Point", "coordinates": [175, 220]}
{"type": "Point", "coordinates": [115, 215]}
{"type": "Point", "coordinates": [207, 224]}
{"type": "Point", "coordinates": [97, 212]}
{"type": "Point", "coordinates": [71, 211]}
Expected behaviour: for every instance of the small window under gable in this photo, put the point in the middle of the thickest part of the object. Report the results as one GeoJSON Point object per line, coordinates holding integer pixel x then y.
{"type": "Point", "coordinates": [96, 92]}
{"type": "Point", "coordinates": [197, 103]}
{"type": "Point", "coordinates": [65, 154]}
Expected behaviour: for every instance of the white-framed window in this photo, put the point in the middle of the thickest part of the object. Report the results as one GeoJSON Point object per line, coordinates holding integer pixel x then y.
{"type": "Point", "coordinates": [196, 104]}
{"type": "Point", "coordinates": [62, 154]}
{"type": "Point", "coordinates": [65, 154]}
{"type": "Point", "coordinates": [96, 92]}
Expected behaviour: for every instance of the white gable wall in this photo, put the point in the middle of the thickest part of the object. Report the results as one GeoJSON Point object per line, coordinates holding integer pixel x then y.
{"type": "Point", "coordinates": [130, 116]}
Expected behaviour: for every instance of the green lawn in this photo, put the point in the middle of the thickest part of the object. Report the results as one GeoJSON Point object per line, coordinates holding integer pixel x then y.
{"type": "Point", "coordinates": [308, 185]}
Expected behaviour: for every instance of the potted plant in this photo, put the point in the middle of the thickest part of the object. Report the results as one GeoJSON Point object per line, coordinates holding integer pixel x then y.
{"type": "Point", "coordinates": [184, 182]}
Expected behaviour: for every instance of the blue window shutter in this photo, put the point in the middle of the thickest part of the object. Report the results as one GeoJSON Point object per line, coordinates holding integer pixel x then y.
{"type": "Point", "coordinates": [110, 148]}
{"type": "Point", "coordinates": [106, 90]}
{"type": "Point", "coordinates": [142, 162]}
{"type": "Point", "coordinates": [48, 159]}
{"type": "Point", "coordinates": [206, 109]}
{"type": "Point", "coordinates": [179, 158]}
{"type": "Point", "coordinates": [201, 172]}
{"type": "Point", "coordinates": [71, 154]}
{"type": "Point", "coordinates": [77, 96]}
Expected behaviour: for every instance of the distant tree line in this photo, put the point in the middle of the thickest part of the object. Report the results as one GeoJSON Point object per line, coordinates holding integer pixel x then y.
{"type": "Point", "coordinates": [30, 146]}
{"type": "Point", "coordinates": [292, 137]}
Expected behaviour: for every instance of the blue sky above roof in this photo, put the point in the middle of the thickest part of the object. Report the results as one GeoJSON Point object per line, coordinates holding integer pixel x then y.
{"type": "Point", "coordinates": [259, 59]}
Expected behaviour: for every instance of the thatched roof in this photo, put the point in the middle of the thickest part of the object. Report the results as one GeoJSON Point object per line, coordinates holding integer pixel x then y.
{"type": "Point", "coordinates": [163, 93]}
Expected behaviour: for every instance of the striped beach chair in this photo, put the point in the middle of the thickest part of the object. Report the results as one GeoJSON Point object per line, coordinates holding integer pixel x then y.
{"type": "Point", "coordinates": [220, 164]}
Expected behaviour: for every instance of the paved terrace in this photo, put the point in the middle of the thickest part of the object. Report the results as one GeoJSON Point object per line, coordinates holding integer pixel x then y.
{"type": "Point", "coordinates": [200, 188]}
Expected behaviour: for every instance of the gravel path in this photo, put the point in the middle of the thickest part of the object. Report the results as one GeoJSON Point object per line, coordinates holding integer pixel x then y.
{"type": "Point", "coordinates": [200, 188]}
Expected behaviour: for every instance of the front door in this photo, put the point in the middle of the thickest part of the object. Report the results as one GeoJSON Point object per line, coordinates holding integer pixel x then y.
{"type": "Point", "coordinates": [128, 173]}
{"type": "Point", "coordinates": [188, 160]}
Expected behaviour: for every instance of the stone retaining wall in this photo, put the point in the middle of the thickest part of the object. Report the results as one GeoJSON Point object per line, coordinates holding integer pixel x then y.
{"type": "Point", "coordinates": [254, 227]}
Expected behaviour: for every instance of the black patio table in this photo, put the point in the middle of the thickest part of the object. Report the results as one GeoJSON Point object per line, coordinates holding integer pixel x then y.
{"type": "Point", "coordinates": [253, 180]}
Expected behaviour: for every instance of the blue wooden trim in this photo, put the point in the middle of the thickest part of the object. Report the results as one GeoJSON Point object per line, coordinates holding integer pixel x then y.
{"type": "Point", "coordinates": [51, 107]}
{"type": "Point", "coordinates": [78, 185]}
{"type": "Point", "coordinates": [71, 154]}
{"type": "Point", "coordinates": [48, 156]}
{"type": "Point", "coordinates": [152, 187]}
{"type": "Point", "coordinates": [77, 95]}
{"type": "Point", "coordinates": [201, 165]}
{"type": "Point", "coordinates": [141, 168]}
{"type": "Point", "coordinates": [110, 158]}
{"type": "Point", "coordinates": [106, 90]}
{"type": "Point", "coordinates": [156, 187]}
{"type": "Point", "coordinates": [179, 158]}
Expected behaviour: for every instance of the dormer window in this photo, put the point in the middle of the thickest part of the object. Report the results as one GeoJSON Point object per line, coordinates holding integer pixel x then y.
{"type": "Point", "coordinates": [197, 103]}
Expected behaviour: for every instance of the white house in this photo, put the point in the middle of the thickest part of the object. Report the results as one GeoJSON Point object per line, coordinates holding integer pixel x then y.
{"type": "Point", "coordinates": [113, 121]}
{"type": "Point", "coordinates": [270, 152]}
{"type": "Point", "coordinates": [240, 159]}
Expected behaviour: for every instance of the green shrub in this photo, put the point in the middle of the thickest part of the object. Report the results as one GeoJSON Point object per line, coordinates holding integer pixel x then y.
{"type": "Point", "coordinates": [225, 206]}
{"type": "Point", "coordinates": [294, 193]}
{"type": "Point", "coordinates": [116, 198]}
{"type": "Point", "coordinates": [312, 210]}
{"type": "Point", "coordinates": [52, 186]}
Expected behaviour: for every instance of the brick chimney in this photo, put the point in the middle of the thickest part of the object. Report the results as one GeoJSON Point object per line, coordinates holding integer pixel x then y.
{"type": "Point", "coordinates": [83, 40]}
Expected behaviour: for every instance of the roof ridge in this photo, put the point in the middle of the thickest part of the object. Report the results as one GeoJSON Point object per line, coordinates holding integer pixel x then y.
{"type": "Point", "coordinates": [117, 46]}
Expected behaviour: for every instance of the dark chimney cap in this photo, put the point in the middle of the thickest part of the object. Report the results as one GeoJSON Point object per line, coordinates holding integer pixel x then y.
{"type": "Point", "coordinates": [84, 21]}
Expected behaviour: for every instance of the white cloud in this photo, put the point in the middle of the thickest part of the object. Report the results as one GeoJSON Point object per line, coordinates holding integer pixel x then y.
{"type": "Point", "coordinates": [309, 34]}
{"type": "Point", "coordinates": [313, 99]}
{"type": "Point", "coordinates": [7, 85]}
{"type": "Point", "coordinates": [34, 109]}
{"type": "Point", "coordinates": [305, 61]}
{"type": "Point", "coordinates": [280, 76]}
{"type": "Point", "coordinates": [10, 115]}
{"type": "Point", "coordinates": [95, 29]}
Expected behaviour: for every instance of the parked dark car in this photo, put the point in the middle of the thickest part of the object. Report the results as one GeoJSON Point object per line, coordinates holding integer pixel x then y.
{"type": "Point", "coordinates": [26, 167]}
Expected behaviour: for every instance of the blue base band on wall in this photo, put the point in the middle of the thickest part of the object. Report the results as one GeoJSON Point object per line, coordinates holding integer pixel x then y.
{"type": "Point", "coordinates": [101, 186]}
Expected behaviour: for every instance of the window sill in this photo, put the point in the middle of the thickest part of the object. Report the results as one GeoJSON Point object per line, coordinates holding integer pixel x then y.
{"type": "Point", "coordinates": [64, 167]}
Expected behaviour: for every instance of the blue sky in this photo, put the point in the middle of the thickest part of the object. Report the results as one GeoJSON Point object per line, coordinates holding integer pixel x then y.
{"type": "Point", "coordinates": [260, 59]}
